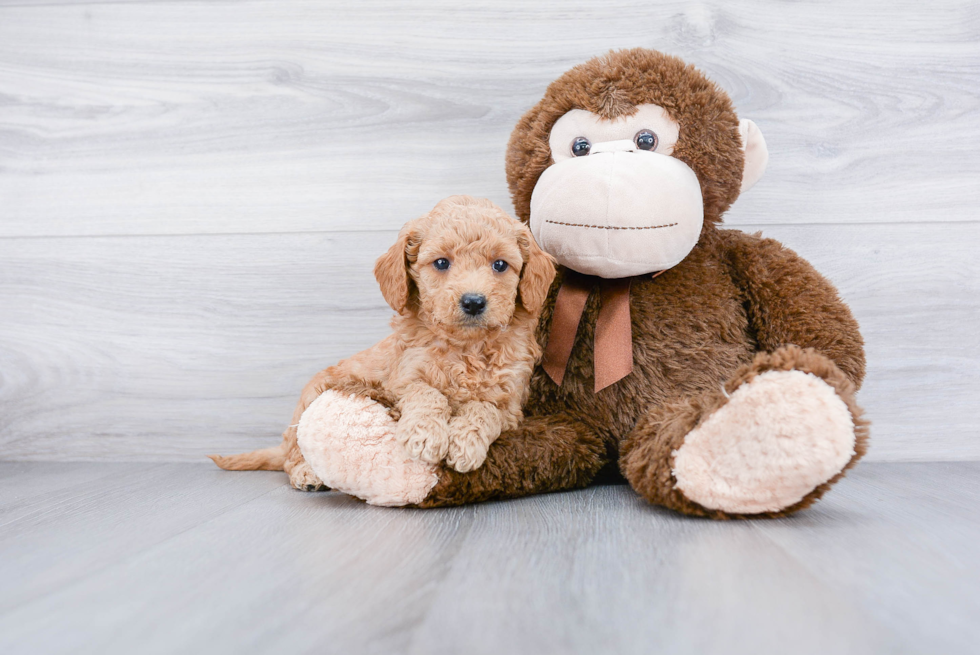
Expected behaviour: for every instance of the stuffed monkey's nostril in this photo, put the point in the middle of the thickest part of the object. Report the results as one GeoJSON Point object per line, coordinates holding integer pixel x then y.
{"type": "Point", "coordinates": [473, 303]}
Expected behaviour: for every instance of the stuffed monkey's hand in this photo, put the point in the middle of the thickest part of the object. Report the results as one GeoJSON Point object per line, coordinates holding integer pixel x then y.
{"type": "Point", "coordinates": [423, 428]}
{"type": "Point", "coordinates": [475, 426]}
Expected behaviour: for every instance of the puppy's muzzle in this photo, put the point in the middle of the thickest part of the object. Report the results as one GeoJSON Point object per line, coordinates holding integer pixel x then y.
{"type": "Point", "coordinates": [473, 304]}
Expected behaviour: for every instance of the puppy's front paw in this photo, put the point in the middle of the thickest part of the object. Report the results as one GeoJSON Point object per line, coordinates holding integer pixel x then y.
{"type": "Point", "coordinates": [424, 437]}
{"type": "Point", "coordinates": [468, 446]}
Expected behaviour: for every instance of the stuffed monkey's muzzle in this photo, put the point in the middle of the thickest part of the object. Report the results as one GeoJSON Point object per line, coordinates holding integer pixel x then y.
{"type": "Point", "coordinates": [617, 212]}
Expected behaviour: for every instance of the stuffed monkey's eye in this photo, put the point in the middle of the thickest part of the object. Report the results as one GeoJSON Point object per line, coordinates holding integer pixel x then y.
{"type": "Point", "coordinates": [500, 266]}
{"type": "Point", "coordinates": [441, 264]}
{"type": "Point", "coordinates": [646, 140]}
{"type": "Point", "coordinates": [581, 146]}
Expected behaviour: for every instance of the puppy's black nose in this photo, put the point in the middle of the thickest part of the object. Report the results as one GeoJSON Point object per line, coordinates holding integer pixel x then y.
{"type": "Point", "coordinates": [473, 303]}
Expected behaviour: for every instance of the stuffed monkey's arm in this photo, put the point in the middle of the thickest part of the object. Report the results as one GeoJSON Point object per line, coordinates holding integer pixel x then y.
{"type": "Point", "coordinates": [789, 302]}
{"type": "Point", "coordinates": [543, 454]}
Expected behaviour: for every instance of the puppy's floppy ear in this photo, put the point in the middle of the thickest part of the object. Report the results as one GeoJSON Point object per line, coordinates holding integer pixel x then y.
{"type": "Point", "coordinates": [537, 273]}
{"type": "Point", "coordinates": [391, 269]}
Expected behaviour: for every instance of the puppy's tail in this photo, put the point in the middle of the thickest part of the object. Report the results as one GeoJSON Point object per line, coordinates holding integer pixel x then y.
{"type": "Point", "coordinates": [264, 459]}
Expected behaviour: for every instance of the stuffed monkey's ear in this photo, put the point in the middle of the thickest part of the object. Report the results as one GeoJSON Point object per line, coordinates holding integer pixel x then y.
{"type": "Point", "coordinates": [756, 153]}
{"type": "Point", "coordinates": [536, 274]}
{"type": "Point", "coordinates": [391, 269]}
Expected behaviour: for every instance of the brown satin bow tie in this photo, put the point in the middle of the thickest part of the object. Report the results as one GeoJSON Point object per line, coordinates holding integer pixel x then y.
{"type": "Point", "coordinates": [613, 350]}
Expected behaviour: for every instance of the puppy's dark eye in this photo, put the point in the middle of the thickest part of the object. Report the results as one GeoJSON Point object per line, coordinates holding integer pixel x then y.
{"type": "Point", "coordinates": [581, 146]}
{"type": "Point", "coordinates": [500, 266]}
{"type": "Point", "coordinates": [441, 264]}
{"type": "Point", "coordinates": [646, 140]}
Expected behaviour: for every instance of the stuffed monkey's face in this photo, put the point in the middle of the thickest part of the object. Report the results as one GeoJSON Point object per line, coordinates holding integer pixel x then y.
{"type": "Point", "coordinates": [627, 160]}
{"type": "Point", "coordinates": [615, 203]}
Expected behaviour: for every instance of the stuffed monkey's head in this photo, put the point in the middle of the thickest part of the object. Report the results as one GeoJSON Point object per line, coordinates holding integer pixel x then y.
{"type": "Point", "coordinates": [626, 160]}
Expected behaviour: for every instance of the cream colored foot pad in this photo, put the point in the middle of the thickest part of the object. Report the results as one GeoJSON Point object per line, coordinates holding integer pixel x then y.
{"type": "Point", "coordinates": [349, 442]}
{"type": "Point", "coordinates": [776, 439]}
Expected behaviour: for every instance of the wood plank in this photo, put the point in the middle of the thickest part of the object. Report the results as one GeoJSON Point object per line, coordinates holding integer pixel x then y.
{"type": "Point", "coordinates": [168, 348]}
{"type": "Point", "coordinates": [883, 564]}
{"type": "Point", "coordinates": [900, 543]}
{"type": "Point", "coordinates": [108, 345]}
{"type": "Point", "coordinates": [286, 570]}
{"type": "Point", "coordinates": [269, 116]}
{"type": "Point", "coordinates": [54, 538]}
{"type": "Point", "coordinates": [20, 482]}
{"type": "Point", "coordinates": [630, 578]}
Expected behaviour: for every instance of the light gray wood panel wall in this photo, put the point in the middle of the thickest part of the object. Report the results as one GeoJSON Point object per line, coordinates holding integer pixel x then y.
{"type": "Point", "coordinates": [189, 117]}
{"type": "Point", "coordinates": [173, 347]}
{"type": "Point", "coordinates": [192, 193]}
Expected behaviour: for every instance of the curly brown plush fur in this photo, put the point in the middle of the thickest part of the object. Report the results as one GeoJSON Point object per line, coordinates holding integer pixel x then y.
{"type": "Point", "coordinates": [737, 305]}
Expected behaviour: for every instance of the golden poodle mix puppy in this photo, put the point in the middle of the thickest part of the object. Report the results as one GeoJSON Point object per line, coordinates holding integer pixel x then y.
{"type": "Point", "coordinates": [467, 283]}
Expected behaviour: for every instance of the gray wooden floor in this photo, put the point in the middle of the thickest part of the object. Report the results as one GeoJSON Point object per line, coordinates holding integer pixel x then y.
{"type": "Point", "coordinates": [112, 557]}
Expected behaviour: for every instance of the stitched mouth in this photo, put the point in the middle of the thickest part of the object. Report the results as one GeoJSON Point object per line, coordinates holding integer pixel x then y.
{"type": "Point", "coordinates": [611, 227]}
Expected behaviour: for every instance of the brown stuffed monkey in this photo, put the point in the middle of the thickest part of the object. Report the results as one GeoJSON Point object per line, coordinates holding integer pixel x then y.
{"type": "Point", "coordinates": [714, 370]}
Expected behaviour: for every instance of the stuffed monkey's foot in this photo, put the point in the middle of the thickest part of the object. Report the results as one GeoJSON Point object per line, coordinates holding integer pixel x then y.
{"type": "Point", "coordinates": [770, 443]}
{"type": "Point", "coordinates": [780, 435]}
{"type": "Point", "coordinates": [775, 440]}
{"type": "Point", "coordinates": [349, 442]}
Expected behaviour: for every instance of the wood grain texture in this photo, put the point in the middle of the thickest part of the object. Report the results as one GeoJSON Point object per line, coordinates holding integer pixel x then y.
{"type": "Point", "coordinates": [126, 509]}
{"type": "Point", "coordinates": [270, 116]}
{"type": "Point", "coordinates": [186, 558]}
{"type": "Point", "coordinates": [192, 193]}
{"type": "Point", "coordinates": [169, 348]}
